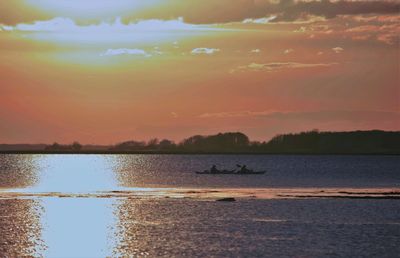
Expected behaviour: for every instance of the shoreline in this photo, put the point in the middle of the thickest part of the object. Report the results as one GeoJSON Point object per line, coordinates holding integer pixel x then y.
{"type": "Point", "coordinates": [214, 193]}
{"type": "Point", "coordinates": [100, 152]}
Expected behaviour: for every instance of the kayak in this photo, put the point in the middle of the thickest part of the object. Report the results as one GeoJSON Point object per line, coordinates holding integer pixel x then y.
{"type": "Point", "coordinates": [230, 172]}
{"type": "Point", "coordinates": [208, 172]}
{"type": "Point", "coordinates": [251, 173]}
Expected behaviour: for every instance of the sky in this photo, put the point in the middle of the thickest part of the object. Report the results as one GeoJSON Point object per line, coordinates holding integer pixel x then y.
{"type": "Point", "coordinates": [108, 71]}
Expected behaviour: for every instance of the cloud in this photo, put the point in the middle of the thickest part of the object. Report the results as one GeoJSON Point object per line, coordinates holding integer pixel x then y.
{"type": "Point", "coordinates": [320, 116]}
{"type": "Point", "coordinates": [338, 50]}
{"type": "Point", "coordinates": [388, 38]}
{"type": "Point", "coordinates": [60, 24]}
{"type": "Point", "coordinates": [174, 114]}
{"type": "Point", "coordinates": [268, 11]}
{"type": "Point", "coordinates": [381, 28]}
{"type": "Point", "coordinates": [66, 31]}
{"type": "Point", "coordinates": [301, 29]}
{"type": "Point", "coordinates": [384, 28]}
{"type": "Point", "coordinates": [6, 28]}
{"type": "Point", "coordinates": [255, 51]}
{"type": "Point", "coordinates": [288, 51]}
{"type": "Point", "coordinates": [339, 115]}
{"type": "Point", "coordinates": [56, 24]}
{"type": "Point", "coordinates": [204, 51]}
{"type": "Point", "coordinates": [235, 114]}
{"type": "Point", "coordinates": [363, 28]}
{"type": "Point", "coordinates": [273, 67]}
{"type": "Point", "coordinates": [206, 11]}
{"type": "Point", "coordinates": [125, 51]}
{"type": "Point", "coordinates": [259, 20]}
{"type": "Point", "coordinates": [331, 9]}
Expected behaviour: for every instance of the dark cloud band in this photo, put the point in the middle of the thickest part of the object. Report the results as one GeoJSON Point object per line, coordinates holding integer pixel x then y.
{"type": "Point", "coordinates": [221, 11]}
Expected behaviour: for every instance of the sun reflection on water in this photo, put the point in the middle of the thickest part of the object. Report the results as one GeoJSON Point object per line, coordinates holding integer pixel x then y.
{"type": "Point", "coordinates": [74, 174]}
{"type": "Point", "coordinates": [49, 225]}
{"type": "Point", "coordinates": [20, 228]}
{"type": "Point", "coordinates": [78, 227]}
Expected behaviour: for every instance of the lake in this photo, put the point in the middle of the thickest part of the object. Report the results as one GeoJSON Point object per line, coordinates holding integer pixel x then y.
{"type": "Point", "coordinates": [155, 205]}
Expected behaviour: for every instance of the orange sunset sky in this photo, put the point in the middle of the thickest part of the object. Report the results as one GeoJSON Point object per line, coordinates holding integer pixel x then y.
{"type": "Point", "coordinates": [108, 71]}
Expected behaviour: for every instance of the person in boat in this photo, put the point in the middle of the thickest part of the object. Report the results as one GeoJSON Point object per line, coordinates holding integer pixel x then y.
{"type": "Point", "coordinates": [214, 169]}
{"type": "Point", "coordinates": [244, 169]}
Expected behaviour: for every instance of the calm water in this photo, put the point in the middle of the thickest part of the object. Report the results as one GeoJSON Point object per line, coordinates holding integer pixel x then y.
{"type": "Point", "coordinates": [50, 206]}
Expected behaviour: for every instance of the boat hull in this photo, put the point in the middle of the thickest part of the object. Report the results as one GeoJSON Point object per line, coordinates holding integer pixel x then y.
{"type": "Point", "coordinates": [231, 173]}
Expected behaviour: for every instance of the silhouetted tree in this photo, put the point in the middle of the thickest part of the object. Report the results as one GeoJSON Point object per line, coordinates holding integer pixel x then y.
{"type": "Point", "coordinates": [223, 142]}
{"type": "Point", "coordinates": [166, 144]}
{"type": "Point", "coordinates": [130, 145]}
{"type": "Point", "coordinates": [76, 146]}
{"type": "Point", "coordinates": [54, 146]}
{"type": "Point", "coordinates": [312, 142]}
{"type": "Point", "coordinates": [152, 144]}
{"type": "Point", "coordinates": [335, 142]}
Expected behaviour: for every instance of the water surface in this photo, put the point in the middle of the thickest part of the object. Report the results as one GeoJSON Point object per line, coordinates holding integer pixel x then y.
{"type": "Point", "coordinates": [155, 205]}
{"type": "Point", "coordinates": [84, 173]}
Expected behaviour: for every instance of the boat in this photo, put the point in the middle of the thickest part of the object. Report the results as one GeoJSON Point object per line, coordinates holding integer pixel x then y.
{"type": "Point", "coordinates": [230, 172]}
{"type": "Point", "coordinates": [219, 172]}
{"type": "Point", "coordinates": [251, 172]}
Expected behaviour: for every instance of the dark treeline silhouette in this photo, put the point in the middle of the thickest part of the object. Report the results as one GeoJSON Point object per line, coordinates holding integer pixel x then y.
{"type": "Point", "coordinates": [152, 145]}
{"type": "Point", "coordinates": [366, 142]}
{"type": "Point", "coordinates": [222, 142]}
{"type": "Point", "coordinates": [75, 146]}
{"type": "Point", "coordinates": [311, 142]}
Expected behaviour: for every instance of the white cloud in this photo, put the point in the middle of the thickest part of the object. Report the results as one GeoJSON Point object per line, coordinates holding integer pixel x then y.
{"type": "Point", "coordinates": [255, 50]}
{"type": "Point", "coordinates": [61, 24]}
{"type": "Point", "coordinates": [272, 67]}
{"type": "Point", "coordinates": [174, 114]}
{"type": "Point", "coordinates": [157, 52]}
{"type": "Point", "coordinates": [337, 50]}
{"type": "Point", "coordinates": [56, 24]}
{"type": "Point", "coordinates": [381, 28]}
{"type": "Point", "coordinates": [288, 51]}
{"type": "Point", "coordinates": [175, 44]}
{"type": "Point", "coordinates": [301, 29]}
{"type": "Point", "coordinates": [204, 51]}
{"type": "Point", "coordinates": [260, 20]}
{"type": "Point", "coordinates": [356, 116]}
{"type": "Point", "coordinates": [6, 28]}
{"type": "Point", "coordinates": [126, 51]}
{"type": "Point", "coordinates": [236, 114]}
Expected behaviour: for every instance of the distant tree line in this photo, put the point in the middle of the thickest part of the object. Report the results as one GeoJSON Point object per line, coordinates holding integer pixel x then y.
{"type": "Point", "coordinates": [312, 142]}
{"type": "Point", "coordinates": [75, 146]}
{"type": "Point", "coordinates": [367, 142]}
{"type": "Point", "coordinates": [222, 142]}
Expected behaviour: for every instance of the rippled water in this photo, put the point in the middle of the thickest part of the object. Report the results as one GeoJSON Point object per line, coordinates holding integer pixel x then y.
{"type": "Point", "coordinates": [155, 205]}
{"type": "Point", "coordinates": [83, 173]}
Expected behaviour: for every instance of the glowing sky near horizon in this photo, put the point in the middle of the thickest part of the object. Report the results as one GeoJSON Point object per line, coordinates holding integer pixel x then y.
{"type": "Point", "coordinates": [108, 71]}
